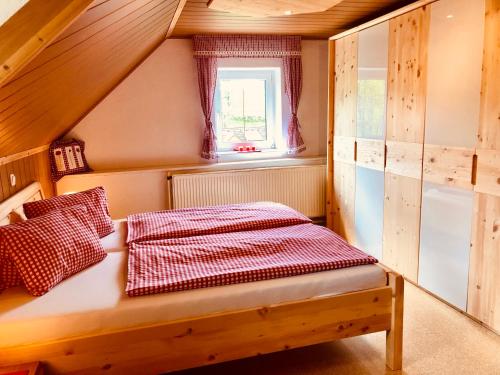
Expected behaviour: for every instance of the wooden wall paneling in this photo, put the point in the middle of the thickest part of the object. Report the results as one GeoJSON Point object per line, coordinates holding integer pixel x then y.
{"type": "Point", "coordinates": [32, 28]}
{"type": "Point", "coordinates": [65, 81]}
{"type": "Point", "coordinates": [402, 224]}
{"type": "Point", "coordinates": [196, 18]}
{"type": "Point", "coordinates": [370, 153]}
{"type": "Point", "coordinates": [27, 170]}
{"type": "Point", "coordinates": [404, 159]}
{"type": "Point", "coordinates": [484, 275]}
{"type": "Point", "coordinates": [330, 207]}
{"type": "Point", "coordinates": [451, 166]}
{"type": "Point", "coordinates": [344, 177]}
{"type": "Point", "coordinates": [489, 124]}
{"type": "Point", "coordinates": [344, 149]}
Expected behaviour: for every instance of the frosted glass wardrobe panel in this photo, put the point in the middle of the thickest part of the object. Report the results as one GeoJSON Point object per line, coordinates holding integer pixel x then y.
{"type": "Point", "coordinates": [372, 81]}
{"type": "Point", "coordinates": [454, 72]}
{"type": "Point", "coordinates": [369, 210]}
{"type": "Point", "coordinates": [445, 242]}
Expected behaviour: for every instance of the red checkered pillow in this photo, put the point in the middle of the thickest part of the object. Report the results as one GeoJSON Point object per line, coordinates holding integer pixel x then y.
{"type": "Point", "coordinates": [50, 248]}
{"type": "Point", "coordinates": [9, 277]}
{"type": "Point", "coordinates": [94, 199]}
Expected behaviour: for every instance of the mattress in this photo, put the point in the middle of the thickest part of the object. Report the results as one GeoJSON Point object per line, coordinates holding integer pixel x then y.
{"type": "Point", "coordinates": [94, 301]}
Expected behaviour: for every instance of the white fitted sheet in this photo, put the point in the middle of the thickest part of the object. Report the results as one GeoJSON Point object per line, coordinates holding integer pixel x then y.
{"type": "Point", "coordinates": [94, 301]}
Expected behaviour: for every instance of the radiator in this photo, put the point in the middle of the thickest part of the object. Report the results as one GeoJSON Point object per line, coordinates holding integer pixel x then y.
{"type": "Point", "coordinates": [300, 187]}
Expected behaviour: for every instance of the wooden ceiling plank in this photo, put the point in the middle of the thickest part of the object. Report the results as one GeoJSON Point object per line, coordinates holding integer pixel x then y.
{"type": "Point", "coordinates": [132, 42]}
{"type": "Point", "coordinates": [175, 18]}
{"type": "Point", "coordinates": [28, 82]}
{"type": "Point", "coordinates": [32, 28]}
{"type": "Point", "coordinates": [68, 76]}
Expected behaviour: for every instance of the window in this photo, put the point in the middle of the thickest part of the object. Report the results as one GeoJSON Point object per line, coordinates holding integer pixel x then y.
{"type": "Point", "coordinates": [248, 108]}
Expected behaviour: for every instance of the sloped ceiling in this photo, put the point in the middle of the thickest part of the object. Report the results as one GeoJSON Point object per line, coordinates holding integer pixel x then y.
{"type": "Point", "coordinates": [78, 68]}
{"type": "Point", "coordinates": [72, 53]}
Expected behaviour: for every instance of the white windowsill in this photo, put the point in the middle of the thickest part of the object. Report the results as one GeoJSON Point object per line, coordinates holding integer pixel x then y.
{"type": "Point", "coordinates": [263, 154]}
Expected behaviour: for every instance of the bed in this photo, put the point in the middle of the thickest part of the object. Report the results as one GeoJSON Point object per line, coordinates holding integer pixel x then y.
{"type": "Point", "coordinates": [87, 324]}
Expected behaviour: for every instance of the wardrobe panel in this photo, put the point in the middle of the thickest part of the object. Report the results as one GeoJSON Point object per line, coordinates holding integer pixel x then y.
{"type": "Point", "coordinates": [346, 78]}
{"type": "Point", "coordinates": [484, 275]}
{"type": "Point", "coordinates": [489, 127]}
{"type": "Point", "coordinates": [445, 242]}
{"type": "Point", "coordinates": [344, 177]}
{"type": "Point", "coordinates": [372, 81]}
{"type": "Point", "coordinates": [369, 211]}
{"type": "Point", "coordinates": [454, 72]}
{"type": "Point", "coordinates": [408, 37]}
{"type": "Point", "coordinates": [402, 200]}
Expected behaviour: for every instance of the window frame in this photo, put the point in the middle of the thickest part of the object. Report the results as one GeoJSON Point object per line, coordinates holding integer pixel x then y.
{"type": "Point", "coordinates": [272, 77]}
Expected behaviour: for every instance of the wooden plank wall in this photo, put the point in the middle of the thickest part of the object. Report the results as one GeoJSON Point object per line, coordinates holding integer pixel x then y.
{"type": "Point", "coordinates": [344, 168]}
{"type": "Point", "coordinates": [27, 170]}
{"type": "Point", "coordinates": [484, 273]}
{"type": "Point", "coordinates": [408, 35]}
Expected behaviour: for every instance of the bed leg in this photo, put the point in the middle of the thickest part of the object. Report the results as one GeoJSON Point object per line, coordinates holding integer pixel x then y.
{"type": "Point", "coordinates": [394, 336]}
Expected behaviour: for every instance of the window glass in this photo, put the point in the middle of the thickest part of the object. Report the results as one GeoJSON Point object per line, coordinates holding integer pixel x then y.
{"type": "Point", "coordinates": [246, 108]}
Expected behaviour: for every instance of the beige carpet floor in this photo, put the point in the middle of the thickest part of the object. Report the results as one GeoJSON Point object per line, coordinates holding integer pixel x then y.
{"type": "Point", "coordinates": [437, 340]}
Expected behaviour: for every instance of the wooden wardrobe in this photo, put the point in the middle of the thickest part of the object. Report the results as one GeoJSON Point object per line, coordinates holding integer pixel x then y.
{"type": "Point", "coordinates": [414, 147]}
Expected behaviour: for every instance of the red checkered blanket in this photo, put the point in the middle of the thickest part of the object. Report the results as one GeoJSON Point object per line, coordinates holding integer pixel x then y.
{"type": "Point", "coordinates": [211, 220]}
{"type": "Point", "coordinates": [184, 263]}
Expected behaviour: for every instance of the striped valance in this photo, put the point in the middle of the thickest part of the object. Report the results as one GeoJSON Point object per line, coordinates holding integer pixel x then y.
{"type": "Point", "coordinates": [246, 46]}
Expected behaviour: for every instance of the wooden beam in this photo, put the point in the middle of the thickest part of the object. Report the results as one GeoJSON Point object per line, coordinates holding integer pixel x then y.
{"type": "Point", "coordinates": [32, 28]}
{"type": "Point", "coordinates": [175, 18]}
{"type": "Point", "coordinates": [385, 17]}
{"type": "Point", "coordinates": [23, 154]}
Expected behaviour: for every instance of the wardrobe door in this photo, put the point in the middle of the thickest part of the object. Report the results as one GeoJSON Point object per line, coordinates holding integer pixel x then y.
{"type": "Point", "coordinates": [344, 169]}
{"type": "Point", "coordinates": [370, 140]}
{"type": "Point", "coordinates": [451, 124]}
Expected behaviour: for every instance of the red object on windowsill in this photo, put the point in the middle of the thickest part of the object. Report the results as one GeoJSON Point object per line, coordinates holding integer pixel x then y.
{"type": "Point", "coordinates": [245, 149]}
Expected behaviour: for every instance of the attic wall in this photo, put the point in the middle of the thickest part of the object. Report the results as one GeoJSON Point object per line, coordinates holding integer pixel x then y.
{"type": "Point", "coordinates": [154, 117]}
{"type": "Point", "coordinates": [80, 67]}
{"type": "Point", "coordinates": [27, 170]}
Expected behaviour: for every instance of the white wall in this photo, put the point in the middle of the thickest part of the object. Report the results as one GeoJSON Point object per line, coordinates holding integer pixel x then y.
{"type": "Point", "coordinates": [154, 116]}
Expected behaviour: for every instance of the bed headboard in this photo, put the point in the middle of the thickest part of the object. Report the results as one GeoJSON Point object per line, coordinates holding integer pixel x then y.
{"type": "Point", "coordinates": [30, 193]}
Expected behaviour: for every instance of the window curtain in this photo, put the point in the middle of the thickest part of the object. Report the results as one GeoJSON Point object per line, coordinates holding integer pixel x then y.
{"type": "Point", "coordinates": [209, 48]}
{"type": "Point", "coordinates": [207, 78]}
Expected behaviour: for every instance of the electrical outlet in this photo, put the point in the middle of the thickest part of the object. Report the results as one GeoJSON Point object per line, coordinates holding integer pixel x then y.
{"type": "Point", "coordinates": [12, 179]}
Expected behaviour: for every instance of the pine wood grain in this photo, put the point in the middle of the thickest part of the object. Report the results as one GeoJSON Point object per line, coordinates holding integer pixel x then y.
{"type": "Point", "coordinates": [344, 188]}
{"type": "Point", "coordinates": [370, 153]}
{"type": "Point", "coordinates": [216, 338]}
{"type": "Point", "coordinates": [484, 270]}
{"type": "Point", "coordinates": [489, 124]}
{"type": "Point", "coordinates": [408, 35]}
{"type": "Point", "coordinates": [401, 234]}
{"type": "Point", "coordinates": [346, 85]}
{"type": "Point", "coordinates": [450, 166]}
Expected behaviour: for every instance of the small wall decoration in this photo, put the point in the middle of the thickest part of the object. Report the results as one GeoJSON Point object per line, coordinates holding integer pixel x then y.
{"type": "Point", "coordinates": [67, 157]}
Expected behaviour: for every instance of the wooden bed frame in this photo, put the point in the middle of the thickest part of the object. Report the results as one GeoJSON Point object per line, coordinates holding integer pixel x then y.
{"type": "Point", "coordinates": [214, 338]}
